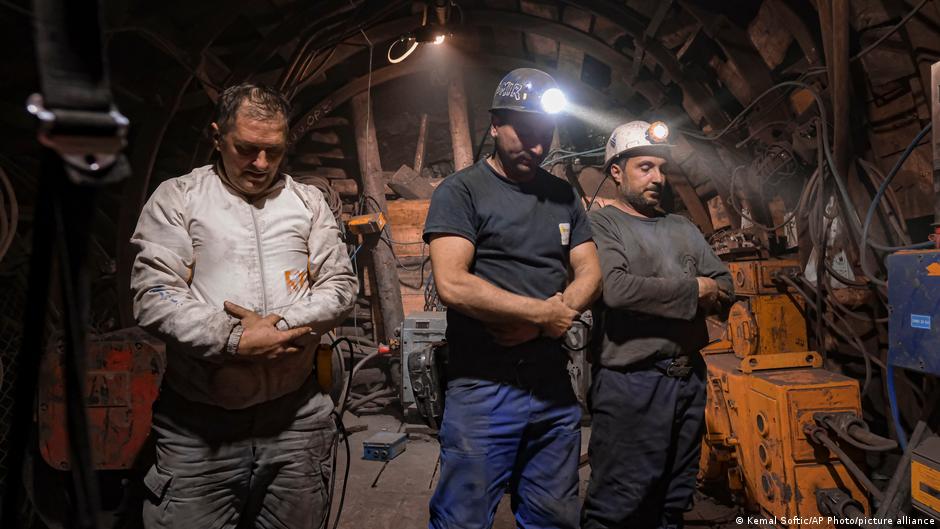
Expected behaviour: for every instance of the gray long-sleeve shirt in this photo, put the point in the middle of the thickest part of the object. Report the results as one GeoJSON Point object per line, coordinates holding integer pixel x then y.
{"type": "Point", "coordinates": [649, 307]}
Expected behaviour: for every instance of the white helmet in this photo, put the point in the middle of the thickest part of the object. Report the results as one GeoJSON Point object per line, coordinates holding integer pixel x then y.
{"type": "Point", "coordinates": [637, 138]}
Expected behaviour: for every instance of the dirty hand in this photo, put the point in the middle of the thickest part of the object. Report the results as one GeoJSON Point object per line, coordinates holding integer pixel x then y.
{"type": "Point", "coordinates": [557, 316]}
{"type": "Point", "coordinates": [708, 292]}
{"type": "Point", "coordinates": [511, 334]}
{"type": "Point", "coordinates": [261, 335]}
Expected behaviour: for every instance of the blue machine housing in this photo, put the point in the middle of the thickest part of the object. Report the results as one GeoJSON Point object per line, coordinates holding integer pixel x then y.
{"type": "Point", "coordinates": [914, 306]}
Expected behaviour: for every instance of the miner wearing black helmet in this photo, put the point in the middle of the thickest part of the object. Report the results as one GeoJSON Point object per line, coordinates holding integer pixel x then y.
{"type": "Point", "coordinates": [504, 234]}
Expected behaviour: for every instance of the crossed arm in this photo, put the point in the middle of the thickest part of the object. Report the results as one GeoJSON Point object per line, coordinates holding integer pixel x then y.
{"type": "Point", "coordinates": [511, 318]}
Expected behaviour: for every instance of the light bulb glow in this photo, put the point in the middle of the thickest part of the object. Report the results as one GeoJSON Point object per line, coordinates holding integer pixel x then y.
{"type": "Point", "coordinates": [658, 132]}
{"type": "Point", "coordinates": [554, 101]}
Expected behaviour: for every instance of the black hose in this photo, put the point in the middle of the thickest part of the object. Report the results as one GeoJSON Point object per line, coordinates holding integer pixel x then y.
{"type": "Point", "coordinates": [820, 435]}
{"type": "Point", "coordinates": [864, 242]}
{"type": "Point", "coordinates": [866, 440]}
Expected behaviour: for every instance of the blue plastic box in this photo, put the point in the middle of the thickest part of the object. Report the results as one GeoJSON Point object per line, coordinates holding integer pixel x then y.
{"type": "Point", "coordinates": [914, 305]}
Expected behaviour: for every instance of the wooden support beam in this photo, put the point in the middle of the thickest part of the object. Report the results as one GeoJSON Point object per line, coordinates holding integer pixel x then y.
{"type": "Point", "coordinates": [459, 123]}
{"type": "Point", "coordinates": [650, 33]}
{"type": "Point", "coordinates": [384, 267]}
{"type": "Point", "coordinates": [422, 143]}
{"type": "Point", "coordinates": [693, 203]}
{"type": "Point", "coordinates": [841, 91]}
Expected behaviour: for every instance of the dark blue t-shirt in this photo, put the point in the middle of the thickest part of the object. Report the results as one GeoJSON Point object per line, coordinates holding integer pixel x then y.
{"type": "Point", "coordinates": [522, 233]}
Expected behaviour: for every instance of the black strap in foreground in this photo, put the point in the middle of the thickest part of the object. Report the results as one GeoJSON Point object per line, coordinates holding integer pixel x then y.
{"type": "Point", "coordinates": [83, 137]}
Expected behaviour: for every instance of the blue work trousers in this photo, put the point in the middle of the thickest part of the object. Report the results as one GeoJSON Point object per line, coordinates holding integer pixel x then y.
{"type": "Point", "coordinates": [497, 437]}
{"type": "Point", "coordinates": [646, 435]}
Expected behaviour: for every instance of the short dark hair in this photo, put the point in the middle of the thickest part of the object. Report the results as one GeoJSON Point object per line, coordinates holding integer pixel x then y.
{"type": "Point", "coordinates": [263, 103]}
{"type": "Point", "coordinates": [620, 161]}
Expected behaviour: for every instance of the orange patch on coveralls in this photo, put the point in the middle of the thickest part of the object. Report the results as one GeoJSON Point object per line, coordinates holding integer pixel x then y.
{"type": "Point", "coordinates": [295, 280]}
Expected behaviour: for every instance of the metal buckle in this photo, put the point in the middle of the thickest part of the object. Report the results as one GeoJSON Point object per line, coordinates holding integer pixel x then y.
{"type": "Point", "coordinates": [677, 369]}
{"type": "Point", "coordinates": [89, 141]}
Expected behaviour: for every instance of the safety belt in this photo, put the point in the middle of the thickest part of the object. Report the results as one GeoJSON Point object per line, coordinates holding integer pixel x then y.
{"type": "Point", "coordinates": [82, 135]}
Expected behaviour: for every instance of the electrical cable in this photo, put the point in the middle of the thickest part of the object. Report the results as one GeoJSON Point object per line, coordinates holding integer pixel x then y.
{"type": "Point", "coordinates": [801, 203]}
{"type": "Point", "coordinates": [598, 190]}
{"type": "Point", "coordinates": [588, 153]}
{"type": "Point", "coordinates": [890, 205]}
{"type": "Point", "coordinates": [860, 437]}
{"type": "Point", "coordinates": [893, 30]}
{"type": "Point", "coordinates": [7, 227]}
{"type": "Point", "coordinates": [757, 131]}
{"type": "Point", "coordinates": [320, 67]}
{"type": "Point", "coordinates": [852, 340]}
{"type": "Point", "coordinates": [864, 242]}
{"type": "Point", "coordinates": [368, 85]}
{"type": "Point", "coordinates": [403, 56]}
{"type": "Point", "coordinates": [748, 108]}
{"type": "Point", "coordinates": [342, 496]}
{"type": "Point", "coordinates": [854, 222]}
{"type": "Point", "coordinates": [333, 200]}
{"type": "Point", "coordinates": [405, 38]}
{"type": "Point", "coordinates": [893, 402]}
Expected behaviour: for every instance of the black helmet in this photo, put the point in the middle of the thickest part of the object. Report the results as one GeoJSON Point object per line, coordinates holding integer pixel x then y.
{"type": "Point", "coordinates": [528, 90]}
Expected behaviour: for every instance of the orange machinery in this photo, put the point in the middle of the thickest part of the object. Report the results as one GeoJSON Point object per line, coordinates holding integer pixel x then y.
{"type": "Point", "coordinates": [767, 397]}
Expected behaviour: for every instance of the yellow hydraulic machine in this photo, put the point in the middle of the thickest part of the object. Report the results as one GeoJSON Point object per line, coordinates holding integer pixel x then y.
{"type": "Point", "coordinates": [773, 412]}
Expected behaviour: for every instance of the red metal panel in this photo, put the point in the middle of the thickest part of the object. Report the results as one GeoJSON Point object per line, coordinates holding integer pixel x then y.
{"type": "Point", "coordinates": [124, 371]}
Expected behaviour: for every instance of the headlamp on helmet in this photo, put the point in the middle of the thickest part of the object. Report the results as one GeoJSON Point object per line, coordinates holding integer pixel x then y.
{"type": "Point", "coordinates": [658, 132]}
{"type": "Point", "coordinates": [554, 101]}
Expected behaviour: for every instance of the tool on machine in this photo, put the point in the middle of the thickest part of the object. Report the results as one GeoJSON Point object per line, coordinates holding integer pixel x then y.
{"type": "Point", "coordinates": [428, 382]}
{"type": "Point", "coordinates": [422, 337]}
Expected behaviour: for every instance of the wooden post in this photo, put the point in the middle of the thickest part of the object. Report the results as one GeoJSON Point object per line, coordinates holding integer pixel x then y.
{"type": "Point", "coordinates": [459, 124]}
{"type": "Point", "coordinates": [841, 91]}
{"type": "Point", "coordinates": [384, 267]}
{"type": "Point", "coordinates": [422, 143]}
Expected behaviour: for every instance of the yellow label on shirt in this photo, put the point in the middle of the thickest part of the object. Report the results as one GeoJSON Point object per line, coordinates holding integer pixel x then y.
{"type": "Point", "coordinates": [565, 229]}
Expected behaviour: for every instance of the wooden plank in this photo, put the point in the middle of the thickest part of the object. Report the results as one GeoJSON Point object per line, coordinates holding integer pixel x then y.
{"type": "Point", "coordinates": [409, 185]}
{"type": "Point", "coordinates": [406, 224]}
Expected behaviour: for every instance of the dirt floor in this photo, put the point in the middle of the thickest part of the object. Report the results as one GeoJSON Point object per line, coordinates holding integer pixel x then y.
{"type": "Point", "coordinates": [395, 494]}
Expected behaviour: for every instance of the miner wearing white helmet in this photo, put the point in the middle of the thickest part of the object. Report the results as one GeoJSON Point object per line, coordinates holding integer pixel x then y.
{"type": "Point", "coordinates": [661, 279]}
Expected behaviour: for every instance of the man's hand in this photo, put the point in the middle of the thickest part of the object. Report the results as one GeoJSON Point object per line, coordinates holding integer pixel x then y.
{"type": "Point", "coordinates": [557, 317]}
{"type": "Point", "coordinates": [512, 334]}
{"type": "Point", "coordinates": [709, 295]}
{"type": "Point", "coordinates": [261, 335]}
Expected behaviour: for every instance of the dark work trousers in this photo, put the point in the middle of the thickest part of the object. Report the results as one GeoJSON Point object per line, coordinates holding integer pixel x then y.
{"type": "Point", "coordinates": [646, 435]}
{"type": "Point", "coordinates": [497, 437]}
{"type": "Point", "coordinates": [264, 467]}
